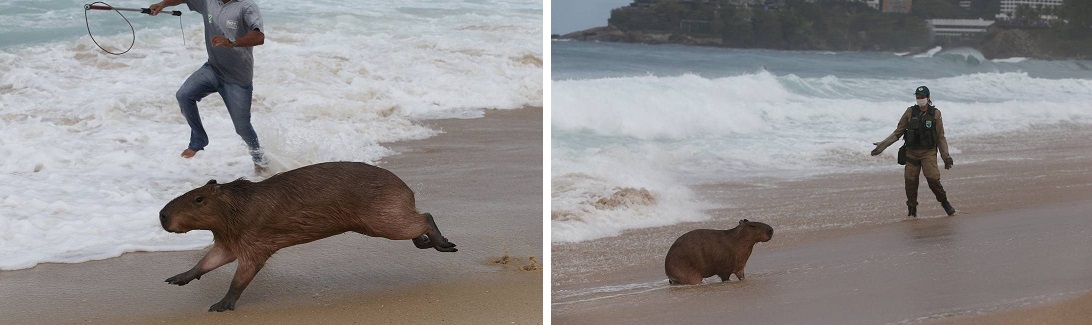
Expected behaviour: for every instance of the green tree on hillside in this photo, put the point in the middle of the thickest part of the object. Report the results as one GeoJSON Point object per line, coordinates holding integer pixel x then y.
{"type": "Point", "coordinates": [767, 30]}
{"type": "Point", "coordinates": [671, 12]}
{"type": "Point", "coordinates": [1078, 13]}
{"type": "Point", "coordinates": [734, 26]}
{"type": "Point", "coordinates": [798, 26]}
{"type": "Point", "coordinates": [986, 9]}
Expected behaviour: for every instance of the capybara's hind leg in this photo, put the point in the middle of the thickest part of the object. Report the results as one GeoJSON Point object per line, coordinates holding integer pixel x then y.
{"type": "Point", "coordinates": [438, 241]}
{"type": "Point", "coordinates": [422, 242]}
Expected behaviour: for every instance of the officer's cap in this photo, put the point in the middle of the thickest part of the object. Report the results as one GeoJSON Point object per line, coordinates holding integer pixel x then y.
{"type": "Point", "coordinates": [922, 90]}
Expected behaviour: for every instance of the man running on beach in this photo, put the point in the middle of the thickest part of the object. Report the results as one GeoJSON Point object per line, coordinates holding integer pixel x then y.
{"type": "Point", "coordinates": [924, 132]}
{"type": "Point", "coordinates": [232, 29]}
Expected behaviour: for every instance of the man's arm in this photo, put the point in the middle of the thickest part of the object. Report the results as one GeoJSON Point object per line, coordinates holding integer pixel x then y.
{"type": "Point", "coordinates": [156, 8]}
{"type": "Point", "coordinates": [899, 130]}
{"type": "Point", "coordinates": [253, 38]}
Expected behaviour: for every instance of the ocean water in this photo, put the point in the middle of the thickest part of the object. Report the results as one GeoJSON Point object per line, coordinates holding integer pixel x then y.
{"type": "Point", "coordinates": [635, 127]}
{"type": "Point", "coordinates": [89, 142]}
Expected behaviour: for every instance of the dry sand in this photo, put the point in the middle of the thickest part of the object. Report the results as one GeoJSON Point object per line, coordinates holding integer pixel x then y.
{"type": "Point", "coordinates": [843, 251]}
{"type": "Point", "coordinates": [482, 180]}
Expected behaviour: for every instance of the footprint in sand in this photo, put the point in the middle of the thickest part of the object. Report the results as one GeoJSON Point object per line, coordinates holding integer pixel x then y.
{"type": "Point", "coordinates": [519, 264]}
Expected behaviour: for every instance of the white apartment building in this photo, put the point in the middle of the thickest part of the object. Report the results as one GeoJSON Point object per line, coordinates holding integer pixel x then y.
{"type": "Point", "coordinates": [875, 4]}
{"type": "Point", "coordinates": [1008, 7]}
{"type": "Point", "coordinates": [957, 28]}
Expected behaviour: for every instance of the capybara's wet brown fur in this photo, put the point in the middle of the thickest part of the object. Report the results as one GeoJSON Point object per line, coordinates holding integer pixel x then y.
{"type": "Point", "coordinates": [703, 253]}
{"type": "Point", "coordinates": [252, 220]}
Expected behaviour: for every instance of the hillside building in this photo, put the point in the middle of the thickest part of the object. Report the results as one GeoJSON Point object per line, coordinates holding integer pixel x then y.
{"type": "Point", "coordinates": [1008, 7]}
{"type": "Point", "coordinates": [897, 6]}
{"type": "Point", "coordinates": [957, 28]}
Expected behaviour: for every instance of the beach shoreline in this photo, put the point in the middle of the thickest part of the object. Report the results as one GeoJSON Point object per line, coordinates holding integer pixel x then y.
{"type": "Point", "coordinates": [481, 179]}
{"type": "Point", "coordinates": [865, 238]}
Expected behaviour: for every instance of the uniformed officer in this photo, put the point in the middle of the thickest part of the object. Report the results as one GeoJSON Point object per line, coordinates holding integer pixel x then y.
{"type": "Point", "coordinates": [922, 131]}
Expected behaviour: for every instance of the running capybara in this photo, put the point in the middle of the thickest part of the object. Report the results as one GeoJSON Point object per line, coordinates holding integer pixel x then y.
{"type": "Point", "coordinates": [252, 220]}
{"type": "Point", "coordinates": [703, 253]}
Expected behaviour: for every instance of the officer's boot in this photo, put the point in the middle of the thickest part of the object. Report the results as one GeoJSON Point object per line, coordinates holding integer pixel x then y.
{"type": "Point", "coordinates": [947, 207]}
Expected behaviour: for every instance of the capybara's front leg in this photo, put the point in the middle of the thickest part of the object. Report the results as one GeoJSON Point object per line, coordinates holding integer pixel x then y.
{"type": "Point", "coordinates": [684, 278]}
{"type": "Point", "coordinates": [215, 258]}
{"type": "Point", "coordinates": [243, 275]}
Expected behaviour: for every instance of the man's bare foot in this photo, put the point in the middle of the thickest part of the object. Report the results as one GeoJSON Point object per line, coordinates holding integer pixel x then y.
{"type": "Point", "coordinates": [188, 153]}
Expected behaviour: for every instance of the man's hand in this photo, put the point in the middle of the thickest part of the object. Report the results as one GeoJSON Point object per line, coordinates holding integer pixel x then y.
{"type": "Point", "coordinates": [156, 8]}
{"type": "Point", "coordinates": [221, 41]}
{"type": "Point", "coordinates": [878, 150]}
{"type": "Point", "coordinates": [948, 163]}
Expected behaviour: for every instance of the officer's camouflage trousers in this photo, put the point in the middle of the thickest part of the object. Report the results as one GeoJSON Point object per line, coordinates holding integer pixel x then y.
{"type": "Point", "coordinates": [924, 161]}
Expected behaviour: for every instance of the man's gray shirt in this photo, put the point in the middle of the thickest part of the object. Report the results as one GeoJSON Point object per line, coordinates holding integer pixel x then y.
{"type": "Point", "coordinates": [231, 20]}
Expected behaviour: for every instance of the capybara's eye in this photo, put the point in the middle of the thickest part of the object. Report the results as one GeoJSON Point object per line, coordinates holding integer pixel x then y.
{"type": "Point", "coordinates": [199, 199]}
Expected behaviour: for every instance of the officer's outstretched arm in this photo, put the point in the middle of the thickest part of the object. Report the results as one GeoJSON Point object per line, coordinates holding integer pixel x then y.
{"type": "Point", "coordinates": [899, 130]}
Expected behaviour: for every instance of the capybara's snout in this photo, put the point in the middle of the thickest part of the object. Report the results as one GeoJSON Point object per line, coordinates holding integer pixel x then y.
{"type": "Point", "coordinates": [757, 231]}
{"type": "Point", "coordinates": [165, 221]}
{"type": "Point", "coordinates": [768, 231]}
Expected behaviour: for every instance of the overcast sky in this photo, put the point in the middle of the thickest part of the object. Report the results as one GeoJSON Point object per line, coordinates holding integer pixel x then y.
{"type": "Point", "coordinates": [572, 15]}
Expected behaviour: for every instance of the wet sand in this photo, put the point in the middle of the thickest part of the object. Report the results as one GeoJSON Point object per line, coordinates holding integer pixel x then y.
{"type": "Point", "coordinates": [1072, 311]}
{"type": "Point", "coordinates": [844, 252]}
{"type": "Point", "coordinates": [481, 179]}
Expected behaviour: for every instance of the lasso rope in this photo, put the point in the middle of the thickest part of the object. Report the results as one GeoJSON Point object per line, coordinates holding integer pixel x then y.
{"type": "Point", "coordinates": [132, 30]}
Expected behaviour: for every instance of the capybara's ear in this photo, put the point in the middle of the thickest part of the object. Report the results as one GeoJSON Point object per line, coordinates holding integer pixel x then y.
{"type": "Point", "coordinates": [742, 221]}
{"type": "Point", "coordinates": [211, 181]}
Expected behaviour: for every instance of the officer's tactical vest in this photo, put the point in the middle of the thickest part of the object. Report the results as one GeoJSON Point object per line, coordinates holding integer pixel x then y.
{"type": "Point", "coordinates": [921, 132]}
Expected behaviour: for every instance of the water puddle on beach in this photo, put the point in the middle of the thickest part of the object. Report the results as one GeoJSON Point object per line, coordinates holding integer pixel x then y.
{"type": "Point", "coordinates": [660, 290]}
{"type": "Point", "coordinates": [568, 297]}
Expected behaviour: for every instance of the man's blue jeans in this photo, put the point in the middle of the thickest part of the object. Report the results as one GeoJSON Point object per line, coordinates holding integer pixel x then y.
{"type": "Point", "coordinates": [237, 99]}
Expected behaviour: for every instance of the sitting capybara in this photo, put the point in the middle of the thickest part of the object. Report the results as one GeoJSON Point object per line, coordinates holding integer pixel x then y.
{"type": "Point", "coordinates": [252, 220]}
{"type": "Point", "coordinates": [703, 253]}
